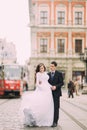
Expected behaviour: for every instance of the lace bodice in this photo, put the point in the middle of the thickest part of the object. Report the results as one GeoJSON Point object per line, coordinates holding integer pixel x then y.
{"type": "Point", "coordinates": [41, 78]}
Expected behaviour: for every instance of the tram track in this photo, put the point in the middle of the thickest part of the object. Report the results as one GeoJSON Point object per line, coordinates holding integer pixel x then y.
{"type": "Point", "coordinates": [71, 114]}
{"type": "Point", "coordinates": [81, 125]}
{"type": "Point", "coordinates": [75, 105]}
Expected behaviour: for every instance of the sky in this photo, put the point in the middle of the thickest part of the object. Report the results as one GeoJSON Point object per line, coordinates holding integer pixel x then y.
{"type": "Point", "coordinates": [14, 26]}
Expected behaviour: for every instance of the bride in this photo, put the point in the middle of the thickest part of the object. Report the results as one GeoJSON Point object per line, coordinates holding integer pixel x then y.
{"type": "Point", "coordinates": [38, 106]}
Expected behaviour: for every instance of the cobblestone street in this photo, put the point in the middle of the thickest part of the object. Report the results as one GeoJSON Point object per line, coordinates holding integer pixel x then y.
{"type": "Point", "coordinates": [72, 114]}
{"type": "Point", "coordinates": [9, 114]}
{"type": "Point", "coordinates": [10, 118]}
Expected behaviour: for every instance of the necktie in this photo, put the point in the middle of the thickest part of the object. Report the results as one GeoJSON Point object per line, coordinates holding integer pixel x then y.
{"type": "Point", "coordinates": [52, 75]}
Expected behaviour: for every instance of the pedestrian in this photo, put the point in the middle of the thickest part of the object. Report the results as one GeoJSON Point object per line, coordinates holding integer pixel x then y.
{"type": "Point", "coordinates": [70, 89]}
{"type": "Point", "coordinates": [76, 83]}
{"type": "Point", "coordinates": [38, 106]}
{"type": "Point", "coordinates": [56, 80]}
{"type": "Point", "coordinates": [25, 82]}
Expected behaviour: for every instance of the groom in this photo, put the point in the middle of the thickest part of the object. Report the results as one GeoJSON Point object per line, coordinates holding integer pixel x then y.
{"type": "Point", "coordinates": [56, 80]}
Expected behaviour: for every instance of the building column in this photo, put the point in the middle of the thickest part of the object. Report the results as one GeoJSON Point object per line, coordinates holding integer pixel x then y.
{"type": "Point", "coordinates": [69, 70]}
{"type": "Point", "coordinates": [36, 15]}
{"type": "Point", "coordinates": [69, 31]}
{"type": "Point", "coordinates": [69, 14]}
{"type": "Point", "coordinates": [52, 12]}
{"type": "Point", "coordinates": [34, 44]}
{"type": "Point", "coordinates": [86, 13]}
{"type": "Point", "coordinates": [69, 43]}
{"type": "Point", "coordinates": [86, 38]}
{"type": "Point", "coordinates": [86, 23]}
{"type": "Point", "coordinates": [52, 43]}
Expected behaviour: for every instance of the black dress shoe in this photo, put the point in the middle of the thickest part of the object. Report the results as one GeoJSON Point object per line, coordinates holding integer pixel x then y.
{"type": "Point", "coordinates": [54, 124]}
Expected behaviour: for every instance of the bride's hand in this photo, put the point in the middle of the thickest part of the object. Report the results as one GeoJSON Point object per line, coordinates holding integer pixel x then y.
{"type": "Point", "coordinates": [53, 88]}
{"type": "Point", "coordinates": [40, 82]}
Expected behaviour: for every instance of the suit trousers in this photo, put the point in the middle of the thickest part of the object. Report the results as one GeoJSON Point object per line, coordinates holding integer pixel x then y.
{"type": "Point", "coordinates": [56, 108]}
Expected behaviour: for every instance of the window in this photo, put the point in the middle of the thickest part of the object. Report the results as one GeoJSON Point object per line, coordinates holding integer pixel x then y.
{"type": "Point", "coordinates": [43, 45]}
{"type": "Point", "coordinates": [43, 17]}
{"type": "Point", "coordinates": [78, 18]}
{"type": "Point", "coordinates": [60, 45]}
{"type": "Point", "coordinates": [78, 46]}
{"type": "Point", "coordinates": [61, 17]}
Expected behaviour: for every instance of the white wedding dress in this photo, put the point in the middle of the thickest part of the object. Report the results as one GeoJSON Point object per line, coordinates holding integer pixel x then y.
{"type": "Point", "coordinates": [38, 106]}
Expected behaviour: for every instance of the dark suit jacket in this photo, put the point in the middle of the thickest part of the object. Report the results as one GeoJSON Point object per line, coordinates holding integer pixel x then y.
{"type": "Point", "coordinates": [57, 81]}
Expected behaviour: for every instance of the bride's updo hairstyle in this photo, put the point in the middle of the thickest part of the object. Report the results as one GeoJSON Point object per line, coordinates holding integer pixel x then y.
{"type": "Point", "coordinates": [38, 67]}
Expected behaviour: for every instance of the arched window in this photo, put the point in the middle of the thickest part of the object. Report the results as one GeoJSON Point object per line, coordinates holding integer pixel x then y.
{"type": "Point", "coordinates": [78, 15]}
{"type": "Point", "coordinates": [44, 14]}
{"type": "Point", "coordinates": [61, 14]}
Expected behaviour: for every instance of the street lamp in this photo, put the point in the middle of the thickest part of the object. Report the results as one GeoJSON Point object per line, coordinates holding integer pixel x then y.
{"type": "Point", "coordinates": [83, 57]}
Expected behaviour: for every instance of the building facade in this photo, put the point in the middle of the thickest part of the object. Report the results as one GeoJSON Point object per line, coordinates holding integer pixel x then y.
{"type": "Point", "coordinates": [7, 52]}
{"type": "Point", "coordinates": [58, 33]}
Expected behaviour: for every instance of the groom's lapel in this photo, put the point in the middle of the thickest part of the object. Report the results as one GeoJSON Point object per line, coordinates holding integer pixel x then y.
{"type": "Point", "coordinates": [50, 74]}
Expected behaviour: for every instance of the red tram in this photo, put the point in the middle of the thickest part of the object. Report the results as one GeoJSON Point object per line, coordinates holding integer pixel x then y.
{"type": "Point", "coordinates": [10, 80]}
